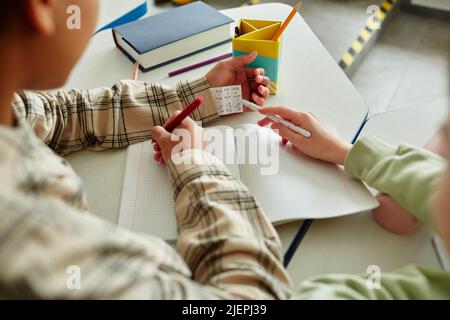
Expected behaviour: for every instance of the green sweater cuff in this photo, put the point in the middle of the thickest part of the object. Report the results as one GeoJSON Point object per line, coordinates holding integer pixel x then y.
{"type": "Point", "coordinates": [409, 175]}
{"type": "Point", "coordinates": [366, 153]}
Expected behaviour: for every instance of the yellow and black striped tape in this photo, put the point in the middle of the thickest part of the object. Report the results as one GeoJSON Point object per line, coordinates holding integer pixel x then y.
{"type": "Point", "coordinates": [366, 34]}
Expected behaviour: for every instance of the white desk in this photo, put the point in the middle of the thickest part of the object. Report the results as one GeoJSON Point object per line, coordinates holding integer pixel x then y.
{"type": "Point", "coordinates": [311, 81]}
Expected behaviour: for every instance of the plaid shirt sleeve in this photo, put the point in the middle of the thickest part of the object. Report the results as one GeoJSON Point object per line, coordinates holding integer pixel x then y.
{"type": "Point", "coordinates": [53, 248]}
{"type": "Point", "coordinates": [68, 121]}
{"type": "Point", "coordinates": [226, 246]}
{"type": "Point", "coordinates": [223, 235]}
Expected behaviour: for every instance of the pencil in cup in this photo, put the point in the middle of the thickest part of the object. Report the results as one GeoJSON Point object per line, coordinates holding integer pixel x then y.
{"type": "Point", "coordinates": [256, 35]}
{"type": "Point", "coordinates": [305, 133]}
{"type": "Point", "coordinates": [288, 20]}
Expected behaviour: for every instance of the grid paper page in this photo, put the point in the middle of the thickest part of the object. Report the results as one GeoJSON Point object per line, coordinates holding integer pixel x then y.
{"type": "Point", "coordinates": [147, 203]}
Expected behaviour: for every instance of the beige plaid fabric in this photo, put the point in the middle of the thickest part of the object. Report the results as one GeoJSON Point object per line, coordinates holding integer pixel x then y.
{"type": "Point", "coordinates": [52, 247]}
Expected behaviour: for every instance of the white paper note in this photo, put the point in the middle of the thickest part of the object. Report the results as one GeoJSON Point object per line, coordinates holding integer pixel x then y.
{"type": "Point", "coordinates": [228, 99]}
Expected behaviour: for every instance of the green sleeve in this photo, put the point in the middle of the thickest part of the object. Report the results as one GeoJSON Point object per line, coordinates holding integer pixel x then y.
{"type": "Point", "coordinates": [411, 282]}
{"type": "Point", "coordinates": [408, 174]}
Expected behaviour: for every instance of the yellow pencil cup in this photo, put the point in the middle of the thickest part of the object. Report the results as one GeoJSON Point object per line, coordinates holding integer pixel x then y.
{"type": "Point", "coordinates": [256, 35]}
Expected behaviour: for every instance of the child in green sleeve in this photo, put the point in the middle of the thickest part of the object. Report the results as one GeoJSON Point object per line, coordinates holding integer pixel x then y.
{"type": "Point", "coordinates": [416, 179]}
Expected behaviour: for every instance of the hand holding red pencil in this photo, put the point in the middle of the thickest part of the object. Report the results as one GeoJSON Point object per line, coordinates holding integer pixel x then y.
{"type": "Point", "coordinates": [179, 131]}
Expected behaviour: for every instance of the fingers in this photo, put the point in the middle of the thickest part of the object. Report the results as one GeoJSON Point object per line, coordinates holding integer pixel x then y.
{"type": "Point", "coordinates": [161, 138]}
{"type": "Point", "coordinates": [242, 61]}
{"type": "Point", "coordinates": [159, 158]}
{"type": "Point", "coordinates": [263, 91]}
{"type": "Point", "coordinates": [159, 134]}
{"type": "Point", "coordinates": [285, 133]}
{"type": "Point", "coordinates": [257, 87]}
{"type": "Point", "coordinates": [264, 122]}
{"type": "Point", "coordinates": [285, 113]}
{"type": "Point", "coordinates": [259, 95]}
{"type": "Point", "coordinates": [258, 99]}
{"type": "Point", "coordinates": [252, 73]}
{"type": "Point", "coordinates": [259, 81]}
{"type": "Point", "coordinates": [262, 80]}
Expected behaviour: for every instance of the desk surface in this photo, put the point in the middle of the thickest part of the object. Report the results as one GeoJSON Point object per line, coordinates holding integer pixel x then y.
{"type": "Point", "coordinates": [311, 81]}
{"type": "Point", "coordinates": [332, 98]}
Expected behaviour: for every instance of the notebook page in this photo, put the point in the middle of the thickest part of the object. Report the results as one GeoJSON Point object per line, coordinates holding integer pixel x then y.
{"type": "Point", "coordinates": [220, 143]}
{"type": "Point", "coordinates": [147, 203]}
{"type": "Point", "coordinates": [302, 188]}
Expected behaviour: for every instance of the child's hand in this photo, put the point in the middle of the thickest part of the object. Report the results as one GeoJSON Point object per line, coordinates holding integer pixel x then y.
{"type": "Point", "coordinates": [188, 135]}
{"type": "Point", "coordinates": [321, 145]}
{"type": "Point", "coordinates": [391, 216]}
{"type": "Point", "coordinates": [253, 82]}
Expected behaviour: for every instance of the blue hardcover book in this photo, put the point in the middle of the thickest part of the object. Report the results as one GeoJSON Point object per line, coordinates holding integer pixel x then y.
{"type": "Point", "coordinates": [172, 35]}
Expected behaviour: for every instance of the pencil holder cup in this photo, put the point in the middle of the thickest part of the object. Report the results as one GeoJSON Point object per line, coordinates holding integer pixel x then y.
{"type": "Point", "coordinates": [256, 35]}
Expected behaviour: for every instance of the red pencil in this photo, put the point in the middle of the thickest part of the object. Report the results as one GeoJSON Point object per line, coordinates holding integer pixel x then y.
{"type": "Point", "coordinates": [175, 122]}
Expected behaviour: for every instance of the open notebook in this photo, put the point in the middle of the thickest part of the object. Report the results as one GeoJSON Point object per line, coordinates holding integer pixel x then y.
{"type": "Point", "coordinates": [288, 187]}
